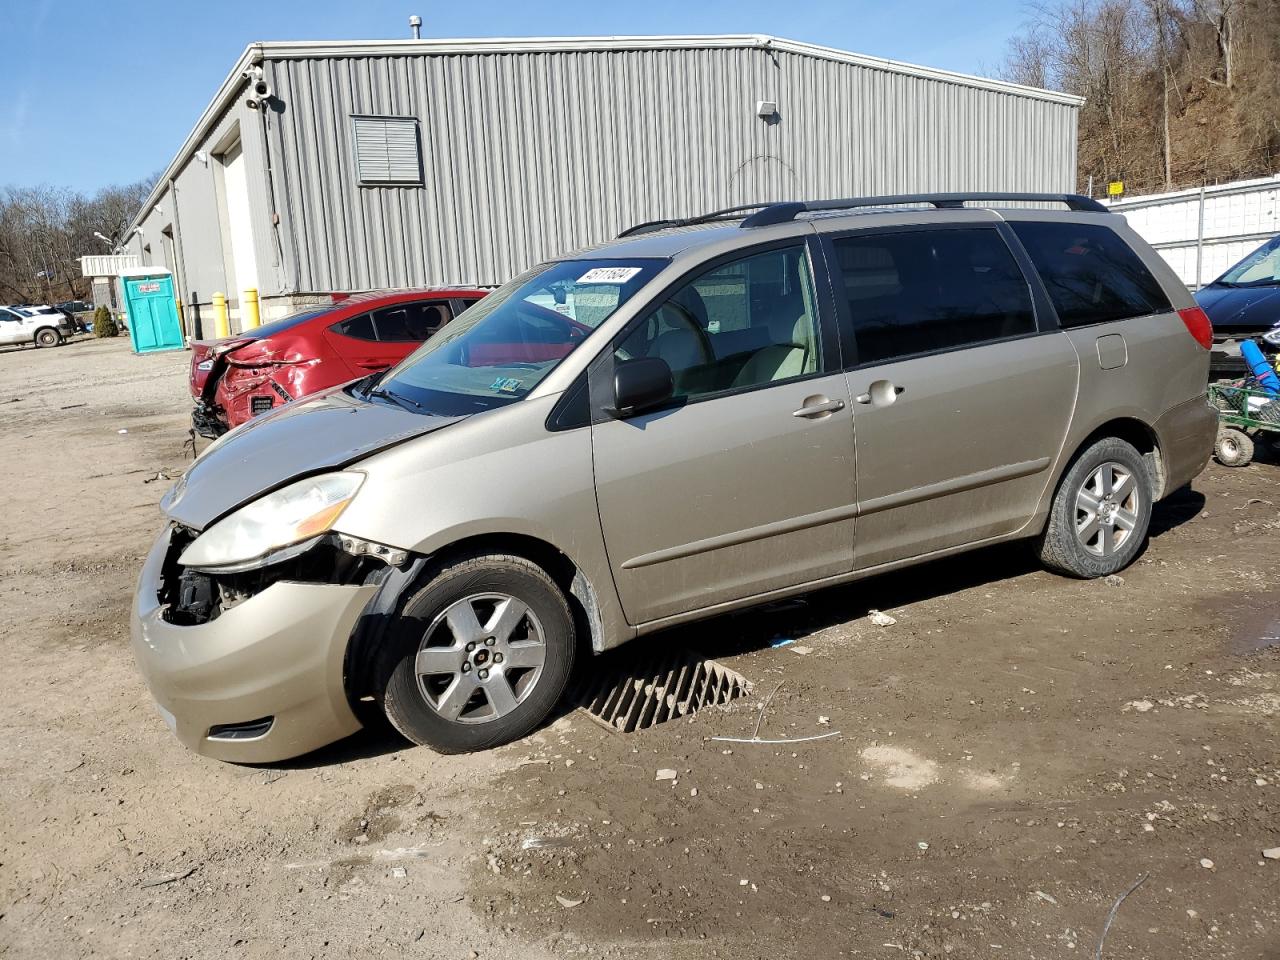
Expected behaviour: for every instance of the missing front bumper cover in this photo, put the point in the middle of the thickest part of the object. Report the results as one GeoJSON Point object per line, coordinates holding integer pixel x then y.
{"type": "Point", "coordinates": [191, 596]}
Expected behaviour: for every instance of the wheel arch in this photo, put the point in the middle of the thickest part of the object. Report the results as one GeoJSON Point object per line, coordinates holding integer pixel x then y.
{"type": "Point", "coordinates": [1138, 434]}
{"type": "Point", "coordinates": [396, 583]}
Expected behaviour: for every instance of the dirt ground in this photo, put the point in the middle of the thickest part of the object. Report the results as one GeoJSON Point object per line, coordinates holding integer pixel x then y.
{"type": "Point", "coordinates": [1012, 755]}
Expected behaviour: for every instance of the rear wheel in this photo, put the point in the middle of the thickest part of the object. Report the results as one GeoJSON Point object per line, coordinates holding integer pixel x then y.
{"type": "Point", "coordinates": [479, 655]}
{"type": "Point", "coordinates": [1100, 514]}
{"type": "Point", "coordinates": [47, 337]}
{"type": "Point", "coordinates": [1233, 448]}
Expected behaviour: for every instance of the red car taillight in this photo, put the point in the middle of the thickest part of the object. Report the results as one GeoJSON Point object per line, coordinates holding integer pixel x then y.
{"type": "Point", "coordinates": [1198, 325]}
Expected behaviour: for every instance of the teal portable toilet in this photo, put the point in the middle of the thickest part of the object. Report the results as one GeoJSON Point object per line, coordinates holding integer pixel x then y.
{"type": "Point", "coordinates": [151, 311]}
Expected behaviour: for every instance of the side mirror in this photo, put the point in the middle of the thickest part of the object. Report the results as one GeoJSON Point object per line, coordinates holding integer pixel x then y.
{"type": "Point", "coordinates": [640, 385]}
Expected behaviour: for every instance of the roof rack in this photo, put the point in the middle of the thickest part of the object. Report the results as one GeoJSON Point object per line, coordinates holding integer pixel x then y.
{"type": "Point", "coordinates": [785, 212]}
{"type": "Point", "coordinates": [726, 214]}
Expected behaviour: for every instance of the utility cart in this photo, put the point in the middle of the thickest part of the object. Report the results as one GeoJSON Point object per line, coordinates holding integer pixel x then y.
{"type": "Point", "coordinates": [1246, 411]}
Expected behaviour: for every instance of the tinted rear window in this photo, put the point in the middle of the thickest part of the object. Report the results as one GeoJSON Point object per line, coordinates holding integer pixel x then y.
{"type": "Point", "coordinates": [358, 328]}
{"type": "Point", "coordinates": [1091, 275]}
{"type": "Point", "coordinates": [922, 291]}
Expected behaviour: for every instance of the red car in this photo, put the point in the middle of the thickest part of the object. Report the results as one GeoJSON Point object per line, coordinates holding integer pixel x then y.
{"type": "Point", "coordinates": [236, 379]}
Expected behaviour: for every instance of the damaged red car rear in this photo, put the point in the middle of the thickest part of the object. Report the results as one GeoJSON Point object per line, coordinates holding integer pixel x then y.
{"type": "Point", "coordinates": [235, 379]}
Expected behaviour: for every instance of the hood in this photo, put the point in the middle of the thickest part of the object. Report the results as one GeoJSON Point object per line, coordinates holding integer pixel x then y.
{"type": "Point", "coordinates": [1240, 308]}
{"type": "Point", "coordinates": [325, 432]}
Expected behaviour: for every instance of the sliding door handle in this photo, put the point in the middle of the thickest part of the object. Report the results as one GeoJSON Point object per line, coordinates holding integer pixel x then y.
{"type": "Point", "coordinates": [816, 407]}
{"type": "Point", "coordinates": [881, 394]}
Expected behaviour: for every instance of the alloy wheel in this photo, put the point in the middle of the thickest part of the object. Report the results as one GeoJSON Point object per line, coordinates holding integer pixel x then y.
{"type": "Point", "coordinates": [480, 658]}
{"type": "Point", "coordinates": [1107, 507]}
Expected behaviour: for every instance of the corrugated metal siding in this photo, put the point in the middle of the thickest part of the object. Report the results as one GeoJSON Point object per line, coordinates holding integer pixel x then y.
{"type": "Point", "coordinates": [529, 154]}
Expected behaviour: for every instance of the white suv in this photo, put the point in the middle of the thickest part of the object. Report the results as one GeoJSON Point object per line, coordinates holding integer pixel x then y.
{"type": "Point", "coordinates": [38, 325]}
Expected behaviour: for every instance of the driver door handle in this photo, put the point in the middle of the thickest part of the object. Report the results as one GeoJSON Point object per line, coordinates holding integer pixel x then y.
{"type": "Point", "coordinates": [818, 407]}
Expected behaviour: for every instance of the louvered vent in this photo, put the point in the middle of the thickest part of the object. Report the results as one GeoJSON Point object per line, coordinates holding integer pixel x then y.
{"type": "Point", "coordinates": [387, 150]}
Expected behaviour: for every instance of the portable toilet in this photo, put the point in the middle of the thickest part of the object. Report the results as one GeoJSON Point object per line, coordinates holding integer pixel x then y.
{"type": "Point", "coordinates": [146, 293]}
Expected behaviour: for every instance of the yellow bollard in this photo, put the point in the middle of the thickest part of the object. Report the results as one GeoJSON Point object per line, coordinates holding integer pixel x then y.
{"type": "Point", "coordinates": [249, 301]}
{"type": "Point", "coordinates": [221, 325]}
{"type": "Point", "coordinates": [182, 317]}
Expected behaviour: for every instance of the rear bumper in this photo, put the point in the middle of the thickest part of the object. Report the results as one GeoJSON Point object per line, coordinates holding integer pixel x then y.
{"type": "Point", "coordinates": [1186, 435]}
{"type": "Point", "coordinates": [277, 655]}
{"type": "Point", "coordinates": [207, 421]}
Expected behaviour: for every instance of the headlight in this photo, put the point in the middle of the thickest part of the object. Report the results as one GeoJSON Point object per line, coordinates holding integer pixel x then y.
{"type": "Point", "coordinates": [1272, 336]}
{"type": "Point", "coordinates": [257, 533]}
{"type": "Point", "coordinates": [204, 366]}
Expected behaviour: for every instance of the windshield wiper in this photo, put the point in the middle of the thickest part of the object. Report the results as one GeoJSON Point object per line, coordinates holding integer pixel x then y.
{"type": "Point", "coordinates": [397, 399]}
{"type": "Point", "coordinates": [1245, 286]}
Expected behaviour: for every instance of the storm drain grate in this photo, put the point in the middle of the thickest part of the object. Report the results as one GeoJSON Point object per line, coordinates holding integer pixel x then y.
{"type": "Point", "coordinates": [642, 688]}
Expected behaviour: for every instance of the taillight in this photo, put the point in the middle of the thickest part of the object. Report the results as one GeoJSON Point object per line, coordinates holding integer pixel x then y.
{"type": "Point", "coordinates": [1198, 325]}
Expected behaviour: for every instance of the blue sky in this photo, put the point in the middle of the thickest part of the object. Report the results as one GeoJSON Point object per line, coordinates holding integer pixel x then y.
{"type": "Point", "coordinates": [105, 91]}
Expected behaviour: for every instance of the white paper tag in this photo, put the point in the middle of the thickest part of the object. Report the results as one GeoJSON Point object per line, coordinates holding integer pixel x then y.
{"type": "Point", "coordinates": [608, 275]}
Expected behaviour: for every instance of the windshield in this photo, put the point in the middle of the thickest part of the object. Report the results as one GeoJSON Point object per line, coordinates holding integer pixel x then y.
{"type": "Point", "coordinates": [497, 351]}
{"type": "Point", "coordinates": [1260, 268]}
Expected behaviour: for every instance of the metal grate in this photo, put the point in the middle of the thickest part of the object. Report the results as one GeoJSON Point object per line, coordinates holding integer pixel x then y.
{"type": "Point", "coordinates": [641, 688]}
{"type": "Point", "coordinates": [387, 150]}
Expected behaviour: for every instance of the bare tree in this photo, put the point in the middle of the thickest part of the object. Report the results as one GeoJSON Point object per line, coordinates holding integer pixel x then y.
{"type": "Point", "coordinates": [1220, 15]}
{"type": "Point", "coordinates": [45, 230]}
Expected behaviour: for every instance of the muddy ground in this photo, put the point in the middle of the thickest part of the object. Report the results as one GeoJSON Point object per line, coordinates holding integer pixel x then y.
{"type": "Point", "coordinates": [1012, 755]}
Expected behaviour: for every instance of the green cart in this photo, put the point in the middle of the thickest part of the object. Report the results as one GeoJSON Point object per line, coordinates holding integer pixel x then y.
{"type": "Point", "coordinates": [1245, 412]}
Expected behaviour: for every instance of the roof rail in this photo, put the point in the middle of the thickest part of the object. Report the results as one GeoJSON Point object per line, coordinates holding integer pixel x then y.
{"type": "Point", "coordinates": [785, 212]}
{"type": "Point", "coordinates": [727, 213]}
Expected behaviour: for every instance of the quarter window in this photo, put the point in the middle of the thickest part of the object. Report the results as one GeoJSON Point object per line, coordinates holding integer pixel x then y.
{"type": "Point", "coordinates": [358, 328]}
{"type": "Point", "coordinates": [743, 324]}
{"type": "Point", "coordinates": [1090, 273]}
{"type": "Point", "coordinates": [922, 291]}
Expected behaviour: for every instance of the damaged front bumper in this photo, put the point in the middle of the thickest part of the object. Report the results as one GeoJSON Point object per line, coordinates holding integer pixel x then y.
{"type": "Point", "coordinates": [263, 679]}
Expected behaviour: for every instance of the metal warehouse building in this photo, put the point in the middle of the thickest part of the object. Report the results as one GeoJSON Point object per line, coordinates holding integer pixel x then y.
{"type": "Point", "coordinates": [361, 165]}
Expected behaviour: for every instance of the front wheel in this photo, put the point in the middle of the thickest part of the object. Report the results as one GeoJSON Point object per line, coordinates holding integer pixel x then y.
{"type": "Point", "coordinates": [47, 337]}
{"type": "Point", "coordinates": [1100, 514]}
{"type": "Point", "coordinates": [479, 656]}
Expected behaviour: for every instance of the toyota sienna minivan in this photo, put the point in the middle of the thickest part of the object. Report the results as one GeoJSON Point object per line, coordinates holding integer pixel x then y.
{"type": "Point", "coordinates": [698, 416]}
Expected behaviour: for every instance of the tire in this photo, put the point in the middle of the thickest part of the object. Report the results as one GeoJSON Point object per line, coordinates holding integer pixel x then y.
{"type": "Point", "coordinates": [1100, 514]}
{"type": "Point", "coordinates": [47, 337]}
{"type": "Point", "coordinates": [1233, 448]}
{"type": "Point", "coordinates": [479, 698]}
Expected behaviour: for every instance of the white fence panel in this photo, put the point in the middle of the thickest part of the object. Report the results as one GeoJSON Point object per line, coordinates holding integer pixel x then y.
{"type": "Point", "coordinates": [1198, 245]}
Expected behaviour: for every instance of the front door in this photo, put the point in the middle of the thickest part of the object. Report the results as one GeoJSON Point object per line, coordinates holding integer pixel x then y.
{"type": "Point", "coordinates": [961, 400]}
{"type": "Point", "coordinates": [13, 328]}
{"type": "Point", "coordinates": [744, 483]}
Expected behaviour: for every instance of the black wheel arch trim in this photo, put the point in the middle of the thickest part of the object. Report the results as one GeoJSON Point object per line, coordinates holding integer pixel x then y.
{"type": "Point", "coordinates": [395, 585]}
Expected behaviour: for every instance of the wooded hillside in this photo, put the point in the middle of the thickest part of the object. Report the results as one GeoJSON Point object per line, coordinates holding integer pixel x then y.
{"type": "Point", "coordinates": [43, 230]}
{"type": "Point", "coordinates": [1178, 92]}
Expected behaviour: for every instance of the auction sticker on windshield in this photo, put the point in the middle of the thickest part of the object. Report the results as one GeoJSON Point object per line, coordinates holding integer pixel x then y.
{"type": "Point", "coordinates": [608, 275]}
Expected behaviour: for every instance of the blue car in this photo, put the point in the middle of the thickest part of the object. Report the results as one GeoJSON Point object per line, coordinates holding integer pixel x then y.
{"type": "Point", "coordinates": [1243, 304]}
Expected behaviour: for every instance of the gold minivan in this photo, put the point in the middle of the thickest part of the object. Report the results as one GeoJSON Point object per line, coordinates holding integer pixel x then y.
{"type": "Point", "coordinates": [698, 416]}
